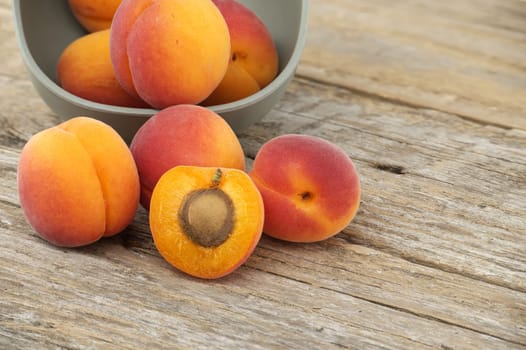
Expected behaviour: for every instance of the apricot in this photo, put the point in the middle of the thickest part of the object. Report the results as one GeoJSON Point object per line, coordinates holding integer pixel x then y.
{"type": "Point", "coordinates": [183, 135]}
{"type": "Point", "coordinates": [206, 221]}
{"type": "Point", "coordinates": [309, 185]}
{"type": "Point", "coordinates": [253, 59]}
{"type": "Point", "coordinates": [77, 182]}
{"type": "Point", "coordinates": [94, 15]}
{"type": "Point", "coordinates": [169, 52]}
{"type": "Point", "coordinates": [85, 70]}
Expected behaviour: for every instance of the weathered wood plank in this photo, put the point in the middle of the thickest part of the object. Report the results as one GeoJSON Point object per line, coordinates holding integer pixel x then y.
{"type": "Point", "coordinates": [435, 258]}
{"type": "Point", "coordinates": [110, 295]}
{"type": "Point", "coordinates": [463, 57]}
{"type": "Point", "coordinates": [455, 202]}
{"type": "Point", "coordinates": [447, 180]}
{"type": "Point", "coordinates": [415, 271]}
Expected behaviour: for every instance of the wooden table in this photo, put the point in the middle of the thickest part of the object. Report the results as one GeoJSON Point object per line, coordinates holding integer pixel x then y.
{"type": "Point", "coordinates": [427, 97]}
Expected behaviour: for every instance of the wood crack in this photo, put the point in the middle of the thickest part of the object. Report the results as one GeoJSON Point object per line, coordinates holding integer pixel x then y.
{"type": "Point", "coordinates": [429, 317]}
{"type": "Point", "coordinates": [450, 269]}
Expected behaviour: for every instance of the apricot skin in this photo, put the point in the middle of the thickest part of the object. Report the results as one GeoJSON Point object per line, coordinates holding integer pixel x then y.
{"type": "Point", "coordinates": [85, 70]}
{"type": "Point", "coordinates": [183, 253]}
{"type": "Point", "coordinates": [94, 15]}
{"type": "Point", "coordinates": [310, 187]}
{"type": "Point", "coordinates": [253, 58]}
{"type": "Point", "coordinates": [169, 52]}
{"type": "Point", "coordinates": [183, 135]}
{"type": "Point", "coordinates": [77, 182]}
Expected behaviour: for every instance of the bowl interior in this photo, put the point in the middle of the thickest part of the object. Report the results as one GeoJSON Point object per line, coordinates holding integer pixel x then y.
{"type": "Point", "coordinates": [45, 28]}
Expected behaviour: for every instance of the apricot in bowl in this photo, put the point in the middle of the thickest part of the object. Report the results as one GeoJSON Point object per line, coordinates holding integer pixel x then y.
{"type": "Point", "coordinates": [169, 52]}
{"type": "Point", "coordinates": [253, 60]}
{"type": "Point", "coordinates": [206, 221]}
{"type": "Point", "coordinates": [45, 28]}
{"type": "Point", "coordinates": [85, 70]}
{"type": "Point", "coordinates": [94, 15]}
{"type": "Point", "coordinates": [77, 182]}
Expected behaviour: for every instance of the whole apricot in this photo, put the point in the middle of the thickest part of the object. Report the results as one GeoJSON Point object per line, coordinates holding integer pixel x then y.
{"type": "Point", "coordinates": [253, 58]}
{"type": "Point", "coordinates": [85, 70]}
{"type": "Point", "coordinates": [206, 221]}
{"type": "Point", "coordinates": [94, 15]}
{"type": "Point", "coordinates": [77, 182]}
{"type": "Point", "coordinates": [309, 185]}
{"type": "Point", "coordinates": [169, 52]}
{"type": "Point", "coordinates": [183, 135]}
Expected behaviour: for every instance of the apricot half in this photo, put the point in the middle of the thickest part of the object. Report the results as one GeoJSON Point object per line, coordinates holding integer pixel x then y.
{"type": "Point", "coordinates": [206, 221]}
{"type": "Point", "coordinates": [309, 185]}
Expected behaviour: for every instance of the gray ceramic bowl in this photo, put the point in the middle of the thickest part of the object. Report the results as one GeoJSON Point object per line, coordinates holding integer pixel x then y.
{"type": "Point", "coordinates": [45, 28]}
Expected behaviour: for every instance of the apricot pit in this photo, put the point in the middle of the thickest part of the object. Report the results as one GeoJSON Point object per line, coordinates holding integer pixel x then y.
{"type": "Point", "coordinates": [207, 217]}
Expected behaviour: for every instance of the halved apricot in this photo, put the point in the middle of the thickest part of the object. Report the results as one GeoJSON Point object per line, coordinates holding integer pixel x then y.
{"type": "Point", "coordinates": [206, 221]}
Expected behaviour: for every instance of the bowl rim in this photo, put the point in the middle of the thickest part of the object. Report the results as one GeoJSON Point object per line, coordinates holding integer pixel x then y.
{"type": "Point", "coordinates": [35, 70]}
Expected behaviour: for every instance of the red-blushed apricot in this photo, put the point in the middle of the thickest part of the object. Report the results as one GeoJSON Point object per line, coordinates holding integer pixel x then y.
{"type": "Point", "coordinates": [253, 57]}
{"type": "Point", "coordinates": [85, 70]}
{"type": "Point", "coordinates": [77, 182]}
{"type": "Point", "coordinates": [206, 221]}
{"type": "Point", "coordinates": [169, 52]}
{"type": "Point", "coordinates": [183, 135]}
{"type": "Point", "coordinates": [309, 185]}
{"type": "Point", "coordinates": [94, 15]}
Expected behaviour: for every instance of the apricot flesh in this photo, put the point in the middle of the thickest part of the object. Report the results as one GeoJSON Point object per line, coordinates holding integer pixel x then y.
{"type": "Point", "coordinates": [196, 229]}
{"type": "Point", "coordinates": [310, 187]}
{"type": "Point", "coordinates": [169, 52]}
{"type": "Point", "coordinates": [94, 15]}
{"type": "Point", "coordinates": [85, 70]}
{"type": "Point", "coordinates": [77, 182]}
{"type": "Point", "coordinates": [183, 135]}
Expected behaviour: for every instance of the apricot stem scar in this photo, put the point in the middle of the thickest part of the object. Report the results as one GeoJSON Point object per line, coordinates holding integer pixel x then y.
{"type": "Point", "coordinates": [217, 178]}
{"type": "Point", "coordinates": [306, 195]}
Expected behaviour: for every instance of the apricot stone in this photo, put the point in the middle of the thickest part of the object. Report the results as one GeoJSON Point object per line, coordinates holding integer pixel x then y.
{"type": "Point", "coordinates": [309, 185]}
{"type": "Point", "coordinates": [206, 221]}
{"type": "Point", "coordinates": [94, 15]}
{"type": "Point", "coordinates": [183, 135]}
{"type": "Point", "coordinates": [253, 57]}
{"type": "Point", "coordinates": [77, 182]}
{"type": "Point", "coordinates": [169, 52]}
{"type": "Point", "coordinates": [85, 70]}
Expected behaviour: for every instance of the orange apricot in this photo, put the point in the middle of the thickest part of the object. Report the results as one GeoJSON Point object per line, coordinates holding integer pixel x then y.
{"type": "Point", "coordinates": [84, 69]}
{"type": "Point", "coordinates": [310, 187]}
{"type": "Point", "coordinates": [253, 57]}
{"type": "Point", "coordinates": [183, 135]}
{"type": "Point", "coordinates": [94, 15]}
{"type": "Point", "coordinates": [169, 52]}
{"type": "Point", "coordinates": [77, 182]}
{"type": "Point", "coordinates": [206, 221]}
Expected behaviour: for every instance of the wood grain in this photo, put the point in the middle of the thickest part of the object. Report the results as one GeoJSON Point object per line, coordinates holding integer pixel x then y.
{"type": "Point", "coordinates": [435, 258]}
{"type": "Point", "coordinates": [464, 57]}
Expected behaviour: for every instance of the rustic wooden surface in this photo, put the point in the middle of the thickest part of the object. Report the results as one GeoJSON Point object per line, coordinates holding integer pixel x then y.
{"type": "Point", "coordinates": [428, 97]}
